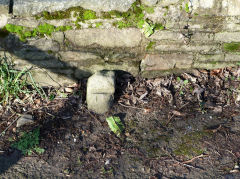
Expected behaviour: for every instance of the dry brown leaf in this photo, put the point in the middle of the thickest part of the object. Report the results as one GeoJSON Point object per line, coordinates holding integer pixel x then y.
{"type": "Point", "coordinates": [177, 113]}
{"type": "Point", "coordinates": [147, 110]}
{"type": "Point", "coordinates": [68, 90]}
{"type": "Point", "coordinates": [143, 95]}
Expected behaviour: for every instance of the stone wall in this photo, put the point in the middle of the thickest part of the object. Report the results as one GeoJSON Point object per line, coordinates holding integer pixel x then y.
{"type": "Point", "coordinates": [149, 38]}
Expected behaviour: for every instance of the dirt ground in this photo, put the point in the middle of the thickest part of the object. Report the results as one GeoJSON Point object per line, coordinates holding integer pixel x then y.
{"type": "Point", "coordinates": [184, 126]}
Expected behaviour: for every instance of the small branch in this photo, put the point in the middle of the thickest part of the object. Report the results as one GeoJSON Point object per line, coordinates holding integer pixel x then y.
{"type": "Point", "coordinates": [194, 158]}
{"type": "Point", "coordinates": [3, 132]}
{"type": "Point", "coordinates": [129, 106]}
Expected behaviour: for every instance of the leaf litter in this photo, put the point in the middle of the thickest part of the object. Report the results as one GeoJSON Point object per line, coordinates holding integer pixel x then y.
{"type": "Point", "coordinates": [163, 117]}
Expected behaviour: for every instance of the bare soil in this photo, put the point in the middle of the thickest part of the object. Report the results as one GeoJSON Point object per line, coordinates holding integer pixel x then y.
{"type": "Point", "coordinates": [184, 126]}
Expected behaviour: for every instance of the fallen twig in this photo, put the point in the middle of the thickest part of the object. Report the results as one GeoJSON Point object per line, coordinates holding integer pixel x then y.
{"type": "Point", "coordinates": [3, 132]}
{"type": "Point", "coordinates": [191, 160]}
{"type": "Point", "coordinates": [129, 106]}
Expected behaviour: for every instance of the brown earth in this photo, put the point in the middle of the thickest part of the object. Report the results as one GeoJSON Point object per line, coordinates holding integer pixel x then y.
{"type": "Point", "coordinates": [184, 126]}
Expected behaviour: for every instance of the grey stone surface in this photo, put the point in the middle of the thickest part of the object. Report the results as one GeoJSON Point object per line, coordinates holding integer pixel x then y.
{"type": "Point", "coordinates": [4, 6]}
{"type": "Point", "coordinates": [105, 37]}
{"type": "Point", "coordinates": [32, 7]}
{"type": "Point", "coordinates": [232, 6]}
{"type": "Point", "coordinates": [57, 77]}
{"type": "Point", "coordinates": [84, 71]}
{"type": "Point", "coordinates": [181, 47]}
{"type": "Point", "coordinates": [25, 119]}
{"type": "Point", "coordinates": [3, 20]}
{"type": "Point", "coordinates": [232, 57]}
{"type": "Point", "coordinates": [100, 91]}
{"type": "Point", "coordinates": [167, 35]}
{"type": "Point", "coordinates": [149, 2]}
{"type": "Point", "coordinates": [71, 56]}
{"type": "Point", "coordinates": [228, 36]}
{"type": "Point", "coordinates": [210, 58]}
{"type": "Point", "coordinates": [161, 62]}
{"type": "Point", "coordinates": [44, 44]}
{"type": "Point", "coordinates": [212, 65]}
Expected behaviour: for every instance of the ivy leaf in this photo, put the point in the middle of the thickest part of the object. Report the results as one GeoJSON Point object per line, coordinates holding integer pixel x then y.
{"type": "Point", "coordinates": [39, 150]}
{"type": "Point", "coordinates": [115, 125]}
{"type": "Point", "coordinates": [148, 29]}
{"type": "Point", "coordinates": [185, 82]}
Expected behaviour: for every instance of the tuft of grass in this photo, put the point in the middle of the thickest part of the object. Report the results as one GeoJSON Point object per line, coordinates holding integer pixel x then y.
{"type": "Point", "coordinates": [14, 83]}
{"type": "Point", "coordinates": [232, 47]}
{"type": "Point", "coordinates": [29, 143]}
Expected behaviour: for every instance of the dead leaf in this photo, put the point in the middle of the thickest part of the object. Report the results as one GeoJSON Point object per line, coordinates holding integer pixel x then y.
{"type": "Point", "coordinates": [177, 113]}
{"type": "Point", "coordinates": [68, 90]}
{"type": "Point", "coordinates": [147, 110]}
{"type": "Point", "coordinates": [143, 95]}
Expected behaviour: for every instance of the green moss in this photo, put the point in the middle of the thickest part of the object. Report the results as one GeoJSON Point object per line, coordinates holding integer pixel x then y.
{"type": "Point", "coordinates": [191, 144]}
{"type": "Point", "coordinates": [134, 17]}
{"type": "Point", "coordinates": [89, 14]}
{"type": "Point", "coordinates": [98, 24]}
{"type": "Point", "coordinates": [41, 30]}
{"type": "Point", "coordinates": [22, 32]}
{"type": "Point", "coordinates": [150, 46]}
{"type": "Point", "coordinates": [80, 13]}
{"type": "Point", "coordinates": [232, 47]}
{"type": "Point", "coordinates": [159, 27]}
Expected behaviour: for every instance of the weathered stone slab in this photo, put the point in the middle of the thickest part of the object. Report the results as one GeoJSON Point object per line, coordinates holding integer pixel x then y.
{"type": "Point", "coordinates": [177, 47]}
{"type": "Point", "coordinates": [167, 2]}
{"type": "Point", "coordinates": [149, 2]}
{"type": "Point", "coordinates": [25, 119]}
{"type": "Point", "coordinates": [206, 4]}
{"type": "Point", "coordinates": [71, 56]}
{"type": "Point", "coordinates": [162, 62]}
{"type": "Point", "coordinates": [100, 91]}
{"type": "Point", "coordinates": [85, 70]}
{"type": "Point", "coordinates": [4, 6]}
{"type": "Point", "coordinates": [52, 78]}
{"type": "Point", "coordinates": [166, 35]}
{"type": "Point", "coordinates": [105, 37]}
{"type": "Point", "coordinates": [232, 57]}
{"type": "Point", "coordinates": [32, 7]}
{"type": "Point", "coordinates": [232, 6]}
{"type": "Point", "coordinates": [203, 37]}
{"type": "Point", "coordinates": [212, 65]}
{"type": "Point", "coordinates": [228, 36]}
{"type": "Point", "coordinates": [210, 58]}
{"type": "Point", "coordinates": [47, 45]}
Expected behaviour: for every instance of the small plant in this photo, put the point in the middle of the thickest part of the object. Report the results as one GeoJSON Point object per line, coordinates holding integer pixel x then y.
{"type": "Point", "coordinates": [187, 9]}
{"type": "Point", "coordinates": [29, 142]}
{"type": "Point", "coordinates": [150, 45]}
{"type": "Point", "coordinates": [182, 85]}
{"type": "Point", "coordinates": [148, 29]}
{"type": "Point", "coordinates": [115, 125]}
{"type": "Point", "coordinates": [98, 24]}
{"type": "Point", "coordinates": [14, 84]}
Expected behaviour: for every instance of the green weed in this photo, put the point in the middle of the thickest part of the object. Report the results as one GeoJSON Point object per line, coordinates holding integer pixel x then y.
{"type": "Point", "coordinates": [29, 142]}
{"type": "Point", "coordinates": [187, 9]}
{"type": "Point", "coordinates": [14, 83]}
{"type": "Point", "coordinates": [150, 46]}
